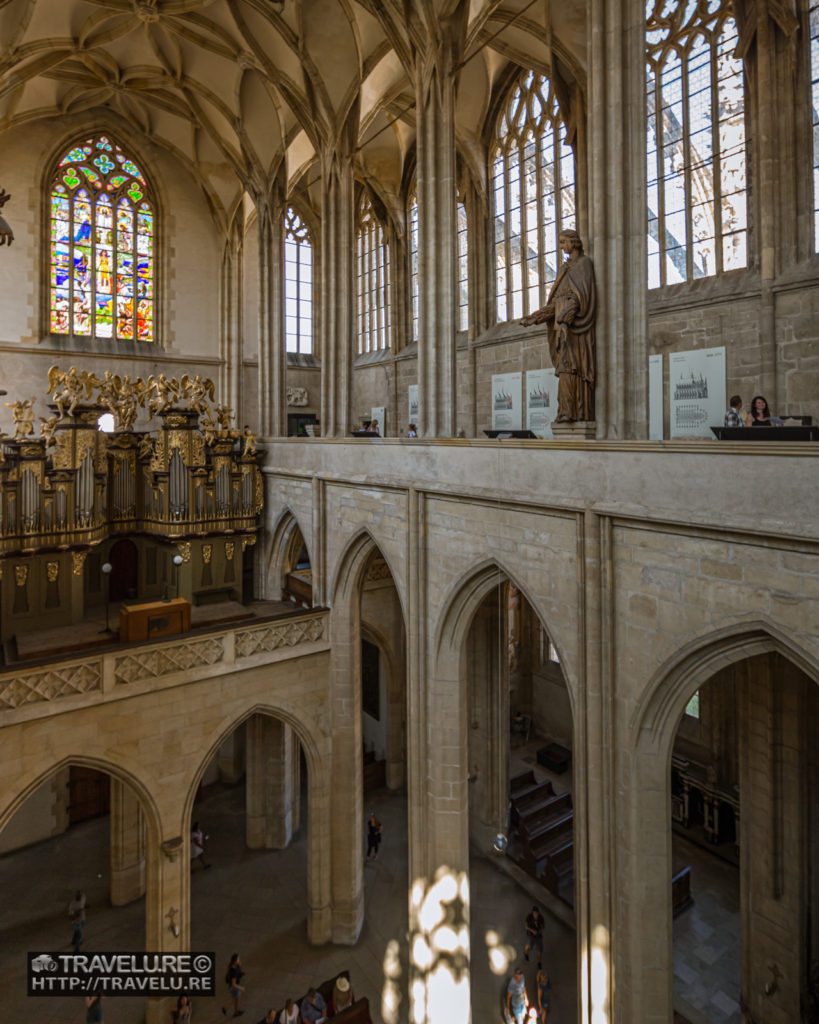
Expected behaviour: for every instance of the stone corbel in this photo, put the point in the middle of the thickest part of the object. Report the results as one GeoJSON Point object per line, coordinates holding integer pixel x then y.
{"type": "Point", "coordinates": [172, 848]}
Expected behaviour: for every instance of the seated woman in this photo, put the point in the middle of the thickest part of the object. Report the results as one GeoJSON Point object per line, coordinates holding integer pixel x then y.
{"type": "Point", "coordinates": [760, 414]}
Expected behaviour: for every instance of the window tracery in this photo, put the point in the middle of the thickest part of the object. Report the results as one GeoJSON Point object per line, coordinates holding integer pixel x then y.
{"type": "Point", "coordinates": [463, 269]}
{"type": "Point", "coordinates": [695, 149]}
{"type": "Point", "coordinates": [298, 284]}
{"type": "Point", "coordinates": [533, 182]}
{"type": "Point", "coordinates": [102, 250]}
{"type": "Point", "coordinates": [373, 273]}
{"type": "Point", "coordinates": [412, 219]}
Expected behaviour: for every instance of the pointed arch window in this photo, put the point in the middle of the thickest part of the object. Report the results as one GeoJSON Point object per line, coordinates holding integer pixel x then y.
{"type": "Point", "coordinates": [533, 184]}
{"type": "Point", "coordinates": [102, 249]}
{"type": "Point", "coordinates": [814, 95]}
{"type": "Point", "coordinates": [298, 284]}
{"type": "Point", "coordinates": [373, 273]}
{"type": "Point", "coordinates": [695, 142]}
{"type": "Point", "coordinates": [412, 220]}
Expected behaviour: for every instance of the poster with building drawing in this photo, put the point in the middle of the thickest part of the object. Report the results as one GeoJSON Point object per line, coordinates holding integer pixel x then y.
{"type": "Point", "coordinates": [696, 391]}
{"type": "Point", "coordinates": [541, 401]}
{"type": "Point", "coordinates": [413, 404]}
{"type": "Point", "coordinates": [507, 412]}
{"type": "Point", "coordinates": [655, 397]}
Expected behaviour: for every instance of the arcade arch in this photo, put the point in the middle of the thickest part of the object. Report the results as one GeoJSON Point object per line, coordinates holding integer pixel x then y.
{"type": "Point", "coordinates": [760, 690]}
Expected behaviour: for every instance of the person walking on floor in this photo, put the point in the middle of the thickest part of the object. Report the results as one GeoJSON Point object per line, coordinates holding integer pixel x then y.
{"type": "Point", "coordinates": [198, 846]}
{"type": "Point", "coordinates": [373, 835]}
{"type": "Point", "coordinates": [234, 983]}
{"type": "Point", "coordinates": [76, 914]}
{"type": "Point", "coordinates": [534, 934]}
{"type": "Point", "coordinates": [544, 994]}
{"type": "Point", "coordinates": [517, 1001]}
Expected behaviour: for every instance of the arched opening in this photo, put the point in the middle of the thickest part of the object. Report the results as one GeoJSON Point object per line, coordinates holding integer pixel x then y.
{"type": "Point", "coordinates": [80, 829]}
{"type": "Point", "coordinates": [521, 815]}
{"type": "Point", "coordinates": [290, 569]}
{"type": "Point", "coordinates": [744, 816]}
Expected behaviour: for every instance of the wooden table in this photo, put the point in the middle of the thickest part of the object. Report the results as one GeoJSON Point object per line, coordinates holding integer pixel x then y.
{"type": "Point", "coordinates": [154, 619]}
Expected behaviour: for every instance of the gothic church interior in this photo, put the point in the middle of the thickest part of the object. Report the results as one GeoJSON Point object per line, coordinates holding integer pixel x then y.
{"type": "Point", "coordinates": [575, 664]}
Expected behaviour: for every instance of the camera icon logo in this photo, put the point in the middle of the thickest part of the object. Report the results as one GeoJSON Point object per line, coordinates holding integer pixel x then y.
{"type": "Point", "coordinates": [43, 962]}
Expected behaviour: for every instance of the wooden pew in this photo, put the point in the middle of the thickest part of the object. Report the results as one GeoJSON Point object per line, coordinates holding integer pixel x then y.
{"type": "Point", "coordinates": [530, 799]}
{"type": "Point", "coordinates": [358, 1013]}
{"type": "Point", "coordinates": [534, 820]}
{"type": "Point", "coordinates": [681, 897]}
{"type": "Point", "coordinates": [550, 839]}
{"type": "Point", "coordinates": [559, 863]}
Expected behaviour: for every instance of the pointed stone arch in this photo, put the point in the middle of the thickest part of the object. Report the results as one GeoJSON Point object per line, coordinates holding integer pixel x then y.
{"type": "Point", "coordinates": [281, 549]}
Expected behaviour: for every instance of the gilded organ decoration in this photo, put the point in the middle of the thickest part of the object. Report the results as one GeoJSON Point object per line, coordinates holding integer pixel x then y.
{"type": "Point", "coordinates": [52, 571]}
{"type": "Point", "coordinates": [23, 415]}
{"type": "Point", "coordinates": [207, 553]}
{"type": "Point", "coordinates": [193, 475]}
{"type": "Point", "coordinates": [20, 575]}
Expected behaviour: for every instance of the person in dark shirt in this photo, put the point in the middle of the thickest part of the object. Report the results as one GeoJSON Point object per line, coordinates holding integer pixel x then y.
{"type": "Point", "coordinates": [534, 934]}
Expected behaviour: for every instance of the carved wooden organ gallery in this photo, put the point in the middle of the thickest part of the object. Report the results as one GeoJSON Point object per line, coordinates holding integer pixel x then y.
{"type": "Point", "coordinates": [77, 497]}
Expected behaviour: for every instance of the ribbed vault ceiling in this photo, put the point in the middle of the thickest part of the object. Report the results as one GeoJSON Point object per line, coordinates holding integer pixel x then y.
{"type": "Point", "coordinates": [242, 91]}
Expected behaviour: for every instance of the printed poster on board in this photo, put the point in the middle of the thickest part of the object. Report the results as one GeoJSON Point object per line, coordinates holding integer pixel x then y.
{"type": "Point", "coordinates": [541, 401]}
{"type": "Point", "coordinates": [507, 412]}
{"type": "Point", "coordinates": [413, 404]}
{"type": "Point", "coordinates": [696, 391]}
{"type": "Point", "coordinates": [655, 397]}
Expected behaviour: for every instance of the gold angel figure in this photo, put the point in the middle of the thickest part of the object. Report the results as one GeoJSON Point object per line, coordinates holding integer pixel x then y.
{"type": "Point", "coordinates": [23, 415]}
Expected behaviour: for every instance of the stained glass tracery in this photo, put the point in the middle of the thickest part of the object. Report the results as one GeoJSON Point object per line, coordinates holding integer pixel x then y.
{"type": "Point", "coordinates": [102, 245]}
{"type": "Point", "coordinates": [533, 185]}
{"type": "Point", "coordinates": [695, 148]}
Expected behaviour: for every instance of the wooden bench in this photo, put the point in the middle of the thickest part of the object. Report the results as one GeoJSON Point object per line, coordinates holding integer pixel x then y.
{"type": "Point", "coordinates": [214, 595]}
{"type": "Point", "coordinates": [539, 817]}
{"type": "Point", "coordinates": [548, 841]}
{"type": "Point", "coordinates": [531, 799]}
{"type": "Point", "coordinates": [358, 1013]}
{"type": "Point", "coordinates": [681, 897]}
{"type": "Point", "coordinates": [559, 863]}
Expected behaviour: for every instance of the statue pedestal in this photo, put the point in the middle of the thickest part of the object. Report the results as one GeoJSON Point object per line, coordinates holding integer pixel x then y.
{"type": "Point", "coordinates": [583, 430]}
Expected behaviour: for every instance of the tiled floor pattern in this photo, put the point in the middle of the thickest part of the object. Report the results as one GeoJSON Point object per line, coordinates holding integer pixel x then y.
{"type": "Point", "coordinates": [253, 902]}
{"type": "Point", "coordinates": [707, 939]}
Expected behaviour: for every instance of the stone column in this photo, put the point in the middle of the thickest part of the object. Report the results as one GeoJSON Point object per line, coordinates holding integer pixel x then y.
{"type": "Point", "coordinates": [272, 420]}
{"type": "Point", "coordinates": [167, 904]}
{"type": "Point", "coordinates": [346, 826]}
{"type": "Point", "coordinates": [438, 809]}
{"type": "Point", "coordinates": [230, 375]}
{"type": "Point", "coordinates": [269, 784]}
{"type": "Point", "coordinates": [436, 74]}
{"type": "Point", "coordinates": [617, 213]}
{"type": "Point", "coordinates": [295, 783]}
{"type": "Point", "coordinates": [128, 864]}
{"type": "Point", "coordinates": [773, 704]}
{"type": "Point", "coordinates": [337, 306]}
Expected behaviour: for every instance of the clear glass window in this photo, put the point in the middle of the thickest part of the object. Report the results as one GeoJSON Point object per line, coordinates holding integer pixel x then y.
{"type": "Point", "coordinates": [373, 281]}
{"type": "Point", "coordinates": [298, 284]}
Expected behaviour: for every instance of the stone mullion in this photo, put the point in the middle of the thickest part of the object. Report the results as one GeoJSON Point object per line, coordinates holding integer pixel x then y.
{"type": "Point", "coordinates": [687, 182]}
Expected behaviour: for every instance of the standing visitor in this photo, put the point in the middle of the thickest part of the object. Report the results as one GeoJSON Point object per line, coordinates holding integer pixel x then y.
{"type": "Point", "coordinates": [544, 994]}
{"type": "Point", "coordinates": [76, 914]}
{"type": "Point", "coordinates": [517, 1001]}
{"type": "Point", "coordinates": [234, 983]}
{"type": "Point", "coordinates": [534, 934]}
{"type": "Point", "coordinates": [373, 835]}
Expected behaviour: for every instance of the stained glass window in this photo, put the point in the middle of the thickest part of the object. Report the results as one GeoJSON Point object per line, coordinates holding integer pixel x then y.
{"type": "Point", "coordinates": [533, 187]}
{"type": "Point", "coordinates": [413, 265]}
{"type": "Point", "coordinates": [695, 142]}
{"type": "Point", "coordinates": [103, 261]}
{"type": "Point", "coordinates": [298, 284]}
{"type": "Point", "coordinates": [373, 274]}
{"type": "Point", "coordinates": [814, 95]}
{"type": "Point", "coordinates": [463, 269]}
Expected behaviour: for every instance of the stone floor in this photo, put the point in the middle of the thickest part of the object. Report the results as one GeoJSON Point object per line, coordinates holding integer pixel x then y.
{"type": "Point", "coordinates": [707, 966]}
{"type": "Point", "coordinates": [253, 902]}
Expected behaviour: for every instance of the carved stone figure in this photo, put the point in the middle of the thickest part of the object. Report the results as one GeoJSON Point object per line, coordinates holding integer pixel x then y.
{"type": "Point", "coordinates": [23, 414]}
{"type": "Point", "coordinates": [570, 314]}
{"type": "Point", "coordinates": [6, 234]}
{"type": "Point", "coordinates": [297, 396]}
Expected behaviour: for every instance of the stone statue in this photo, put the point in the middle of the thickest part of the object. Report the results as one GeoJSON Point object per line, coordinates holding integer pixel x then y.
{"type": "Point", "coordinates": [297, 396]}
{"type": "Point", "coordinates": [6, 234]}
{"type": "Point", "coordinates": [570, 314]}
{"type": "Point", "coordinates": [23, 414]}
